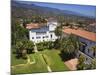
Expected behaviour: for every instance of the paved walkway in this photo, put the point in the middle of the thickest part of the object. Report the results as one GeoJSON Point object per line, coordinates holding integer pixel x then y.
{"type": "Point", "coordinates": [72, 64]}
{"type": "Point", "coordinates": [49, 69]}
{"type": "Point", "coordinates": [35, 48]}
{"type": "Point", "coordinates": [29, 61]}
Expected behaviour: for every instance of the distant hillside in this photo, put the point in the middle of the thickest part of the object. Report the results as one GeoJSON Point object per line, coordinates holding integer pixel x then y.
{"type": "Point", "coordinates": [22, 9]}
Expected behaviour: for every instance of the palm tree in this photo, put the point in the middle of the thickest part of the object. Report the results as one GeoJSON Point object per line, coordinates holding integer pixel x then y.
{"type": "Point", "coordinates": [70, 45]}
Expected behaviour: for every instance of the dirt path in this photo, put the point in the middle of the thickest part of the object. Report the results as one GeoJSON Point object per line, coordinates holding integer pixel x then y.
{"type": "Point", "coordinates": [72, 64]}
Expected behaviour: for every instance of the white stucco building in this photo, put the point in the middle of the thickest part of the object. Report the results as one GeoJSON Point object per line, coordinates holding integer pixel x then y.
{"type": "Point", "coordinates": [42, 32]}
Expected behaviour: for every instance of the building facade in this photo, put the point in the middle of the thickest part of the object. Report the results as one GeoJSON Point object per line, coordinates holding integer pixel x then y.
{"type": "Point", "coordinates": [88, 40]}
{"type": "Point", "coordinates": [43, 33]}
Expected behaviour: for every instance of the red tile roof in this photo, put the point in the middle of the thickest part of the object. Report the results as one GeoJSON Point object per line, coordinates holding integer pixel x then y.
{"type": "Point", "coordinates": [82, 33]}
{"type": "Point", "coordinates": [34, 25]}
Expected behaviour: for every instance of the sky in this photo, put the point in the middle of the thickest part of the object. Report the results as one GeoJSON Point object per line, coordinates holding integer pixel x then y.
{"type": "Point", "coordinates": [88, 10]}
{"type": "Point", "coordinates": [83, 9]}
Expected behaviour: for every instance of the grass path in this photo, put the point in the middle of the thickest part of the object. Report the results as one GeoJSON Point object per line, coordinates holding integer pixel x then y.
{"type": "Point", "coordinates": [48, 67]}
{"type": "Point", "coordinates": [28, 62]}
{"type": "Point", "coordinates": [48, 61]}
{"type": "Point", "coordinates": [41, 61]}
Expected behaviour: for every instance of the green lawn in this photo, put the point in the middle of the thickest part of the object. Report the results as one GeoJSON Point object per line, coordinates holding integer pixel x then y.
{"type": "Point", "coordinates": [32, 57]}
{"type": "Point", "coordinates": [15, 61]}
{"type": "Point", "coordinates": [42, 58]}
{"type": "Point", "coordinates": [39, 66]}
{"type": "Point", "coordinates": [54, 60]}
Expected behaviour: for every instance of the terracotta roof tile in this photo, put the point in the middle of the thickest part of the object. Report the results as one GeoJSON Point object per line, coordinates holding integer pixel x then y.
{"type": "Point", "coordinates": [82, 33]}
{"type": "Point", "coordinates": [34, 25]}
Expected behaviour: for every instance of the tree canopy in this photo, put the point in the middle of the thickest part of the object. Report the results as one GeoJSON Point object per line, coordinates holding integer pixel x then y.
{"type": "Point", "coordinates": [70, 45]}
{"type": "Point", "coordinates": [23, 47]}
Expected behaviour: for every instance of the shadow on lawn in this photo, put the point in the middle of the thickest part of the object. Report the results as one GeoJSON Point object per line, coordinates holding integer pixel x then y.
{"type": "Point", "coordinates": [19, 54]}
{"type": "Point", "coordinates": [66, 57]}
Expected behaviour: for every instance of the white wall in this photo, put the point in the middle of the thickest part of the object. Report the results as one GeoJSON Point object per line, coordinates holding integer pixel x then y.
{"type": "Point", "coordinates": [52, 25]}
{"type": "Point", "coordinates": [41, 39]}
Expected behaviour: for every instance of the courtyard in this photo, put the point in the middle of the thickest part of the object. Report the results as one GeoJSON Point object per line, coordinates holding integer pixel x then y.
{"type": "Point", "coordinates": [39, 62]}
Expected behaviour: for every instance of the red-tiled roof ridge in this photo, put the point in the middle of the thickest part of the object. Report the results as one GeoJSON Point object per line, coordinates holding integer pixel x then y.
{"type": "Point", "coordinates": [82, 33]}
{"type": "Point", "coordinates": [34, 25]}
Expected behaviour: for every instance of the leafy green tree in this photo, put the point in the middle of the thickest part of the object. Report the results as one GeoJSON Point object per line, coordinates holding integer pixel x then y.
{"type": "Point", "coordinates": [21, 33]}
{"type": "Point", "coordinates": [57, 44]}
{"type": "Point", "coordinates": [93, 48]}
{"type": "Point", "coordinates": [30, 46]}
{"type": "Point", "coordinates": [70, 45]}
{"type": "Point", "coordinates": [45, 45]}
{"type": "Point", "coordinates": [40, 46]}
{"type": "Point", "coordinates": [81, 24]}
{"type": "Point", "coordinates": [18, 33]}
{"type": "Point", "coordinates": [58, 31]}
{"type": "Point", "coordinates": [92, 65]}
{"type": "Point", "coordinates": [81, 65]}
{"type": "Point", "coordinates": [50, 44]}
{"type": "Point", "coordinates": [20, 49]}
{"type": "Point", "coordinates": [67, 24]}
{"type": "Point", "coordinates": [23, 46]}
